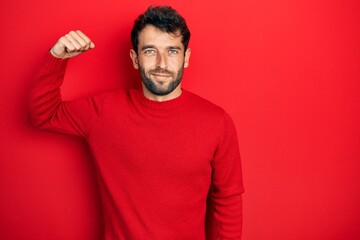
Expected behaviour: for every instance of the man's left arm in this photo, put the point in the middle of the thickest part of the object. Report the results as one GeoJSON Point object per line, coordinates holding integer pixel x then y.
{"type": "Point", "coordinates": [227, 184]}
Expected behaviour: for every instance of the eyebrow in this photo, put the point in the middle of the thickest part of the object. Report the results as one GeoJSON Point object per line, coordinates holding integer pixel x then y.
{"type": "Point", "coordinates": [174, 47]}
{"type": "Point", "coordinates": [153, 46]}
{"type": "Point", "coordinates": [147, 46]}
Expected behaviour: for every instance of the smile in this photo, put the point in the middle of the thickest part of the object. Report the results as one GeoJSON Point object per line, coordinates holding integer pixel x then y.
{"type": "Point", "coordinates": [161, 75]}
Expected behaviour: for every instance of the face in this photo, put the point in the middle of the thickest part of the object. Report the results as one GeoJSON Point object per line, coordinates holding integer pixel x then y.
{"type": "Point", "coordinates": [161, 60]}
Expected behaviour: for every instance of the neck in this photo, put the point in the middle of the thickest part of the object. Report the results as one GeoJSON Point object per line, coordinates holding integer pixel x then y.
{"type": "Point", "coordinates": [158, 98]}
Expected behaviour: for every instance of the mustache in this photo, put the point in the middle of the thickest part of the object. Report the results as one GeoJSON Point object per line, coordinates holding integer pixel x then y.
{"type": "Point", "coordinates": [161, 71]}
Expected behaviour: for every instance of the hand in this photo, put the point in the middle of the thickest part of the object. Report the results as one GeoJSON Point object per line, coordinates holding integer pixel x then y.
{"type": "Point", "coordinates": [71, 45]}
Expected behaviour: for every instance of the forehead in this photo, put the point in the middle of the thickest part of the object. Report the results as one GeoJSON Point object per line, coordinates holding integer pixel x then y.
{"type": "Point", "coordinates": [154, 36]}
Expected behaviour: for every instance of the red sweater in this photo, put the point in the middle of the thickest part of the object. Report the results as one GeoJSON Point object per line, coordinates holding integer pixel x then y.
{"type": "Point", "coordinates": [155, 160]}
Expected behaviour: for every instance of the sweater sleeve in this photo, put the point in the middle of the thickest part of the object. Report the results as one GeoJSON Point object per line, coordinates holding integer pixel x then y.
{"type": "Point", "coordinates": [227, 184]}
{"type": "Point", "coordinates": [49, 112]}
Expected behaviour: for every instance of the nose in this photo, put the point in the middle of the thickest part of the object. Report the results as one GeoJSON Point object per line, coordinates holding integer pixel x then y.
{"type": "Point", "coordinates": [161, 61]}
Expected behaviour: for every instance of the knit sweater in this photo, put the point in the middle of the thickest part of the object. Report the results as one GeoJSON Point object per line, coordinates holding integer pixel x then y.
{"type": "Point", "coordinates": [156, 161]}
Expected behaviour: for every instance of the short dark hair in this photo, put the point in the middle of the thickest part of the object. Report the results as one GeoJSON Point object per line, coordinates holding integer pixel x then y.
{"type": "Point", "coordinates": [163, 17]}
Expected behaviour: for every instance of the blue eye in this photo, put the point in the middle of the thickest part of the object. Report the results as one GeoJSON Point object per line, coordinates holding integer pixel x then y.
{"type": "Point", "coordinates": [173, 51]}
{"type": "Point", "coordinates": [149, 51]}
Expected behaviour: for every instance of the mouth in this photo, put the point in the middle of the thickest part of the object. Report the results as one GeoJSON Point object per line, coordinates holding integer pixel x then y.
{"type": "Point", "coordinates": [161, 75]}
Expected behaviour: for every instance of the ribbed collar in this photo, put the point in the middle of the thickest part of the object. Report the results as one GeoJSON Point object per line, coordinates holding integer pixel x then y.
{"type": "Point", "coordinates": [138, 96]}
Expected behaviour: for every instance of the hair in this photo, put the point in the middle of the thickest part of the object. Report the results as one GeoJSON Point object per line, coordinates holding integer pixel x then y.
{"type": "Point", "coordinates": [164, 18]}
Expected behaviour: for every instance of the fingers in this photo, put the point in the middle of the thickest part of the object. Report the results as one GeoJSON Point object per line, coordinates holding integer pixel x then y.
{"type": "Point", "coordinates": [86, 39]}
{"type": "Point", "coordinates": [76, 41]}
{"type": "Point", "coordinates": [71, 45]}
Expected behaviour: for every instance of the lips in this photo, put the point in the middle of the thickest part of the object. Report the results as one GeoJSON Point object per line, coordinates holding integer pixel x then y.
{"type": "Point", "coordinates": [161, 75]}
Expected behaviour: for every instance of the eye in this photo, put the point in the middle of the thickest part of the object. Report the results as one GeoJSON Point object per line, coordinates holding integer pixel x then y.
{"type": "Point", "coordinates": [149, 51]}
{"type": "Point", "coordinates": [173, 51]}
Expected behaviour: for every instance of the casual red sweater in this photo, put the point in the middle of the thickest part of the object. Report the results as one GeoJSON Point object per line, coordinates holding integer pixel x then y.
{"type": "Point", "coordinates": [156, 161]}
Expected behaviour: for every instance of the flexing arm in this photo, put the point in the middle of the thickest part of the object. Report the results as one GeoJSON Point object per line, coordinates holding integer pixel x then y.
{"type": "Point", "coordinates": [47, 110]}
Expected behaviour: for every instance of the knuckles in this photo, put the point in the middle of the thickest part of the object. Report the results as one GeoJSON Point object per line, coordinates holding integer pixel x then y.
{"type": "Point", "coordinates": [74, 41]}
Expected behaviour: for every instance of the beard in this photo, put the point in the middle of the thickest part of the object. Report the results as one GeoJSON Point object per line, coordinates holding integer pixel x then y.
{"type": "Point", "coordinates": [160, 88]}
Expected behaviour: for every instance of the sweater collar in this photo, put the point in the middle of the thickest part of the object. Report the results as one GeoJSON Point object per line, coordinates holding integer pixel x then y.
{"type": "Point", "coordinates": [138, 95]}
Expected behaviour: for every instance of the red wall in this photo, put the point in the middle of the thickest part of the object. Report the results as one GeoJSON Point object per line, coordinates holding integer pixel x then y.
{"type": "Point", "coordinates": [287, 71]}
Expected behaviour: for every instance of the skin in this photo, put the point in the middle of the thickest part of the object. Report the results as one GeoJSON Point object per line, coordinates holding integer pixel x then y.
{"type": "Point", "coordinates": [72, 44]}
{"type": "Point", "coordinates": [161, 57]}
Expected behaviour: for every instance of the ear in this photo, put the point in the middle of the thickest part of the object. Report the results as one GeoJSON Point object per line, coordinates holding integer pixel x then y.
{"type": "Point", "coordinates": [134, 59]}
{"type": "Point", "coordinates": [187, 57]}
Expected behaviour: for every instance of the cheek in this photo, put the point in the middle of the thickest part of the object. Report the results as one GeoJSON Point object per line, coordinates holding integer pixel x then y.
{"type": "Point", "coordinates": [176, 63]}
{"type": "Point", "coordinates": [147, 64]}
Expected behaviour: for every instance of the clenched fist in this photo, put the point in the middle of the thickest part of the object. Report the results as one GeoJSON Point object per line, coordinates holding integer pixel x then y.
{"type": "Point", "coordinates": [71, 45]}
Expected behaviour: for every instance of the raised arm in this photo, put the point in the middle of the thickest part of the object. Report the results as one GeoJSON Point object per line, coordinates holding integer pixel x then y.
{"type": "Point", "coordinates": [47, 110]}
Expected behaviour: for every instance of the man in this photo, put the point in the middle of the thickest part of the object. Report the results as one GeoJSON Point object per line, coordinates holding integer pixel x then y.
{"type": "Point", "coordinates": [160, 151]}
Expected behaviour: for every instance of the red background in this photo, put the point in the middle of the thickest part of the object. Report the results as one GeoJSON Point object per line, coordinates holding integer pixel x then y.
{"type": "Point", "coordinates": [287, 71]}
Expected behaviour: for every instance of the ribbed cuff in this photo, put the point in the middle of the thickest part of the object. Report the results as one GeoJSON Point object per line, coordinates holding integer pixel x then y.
{"type": "Point", "coordinates": [54, 64]}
